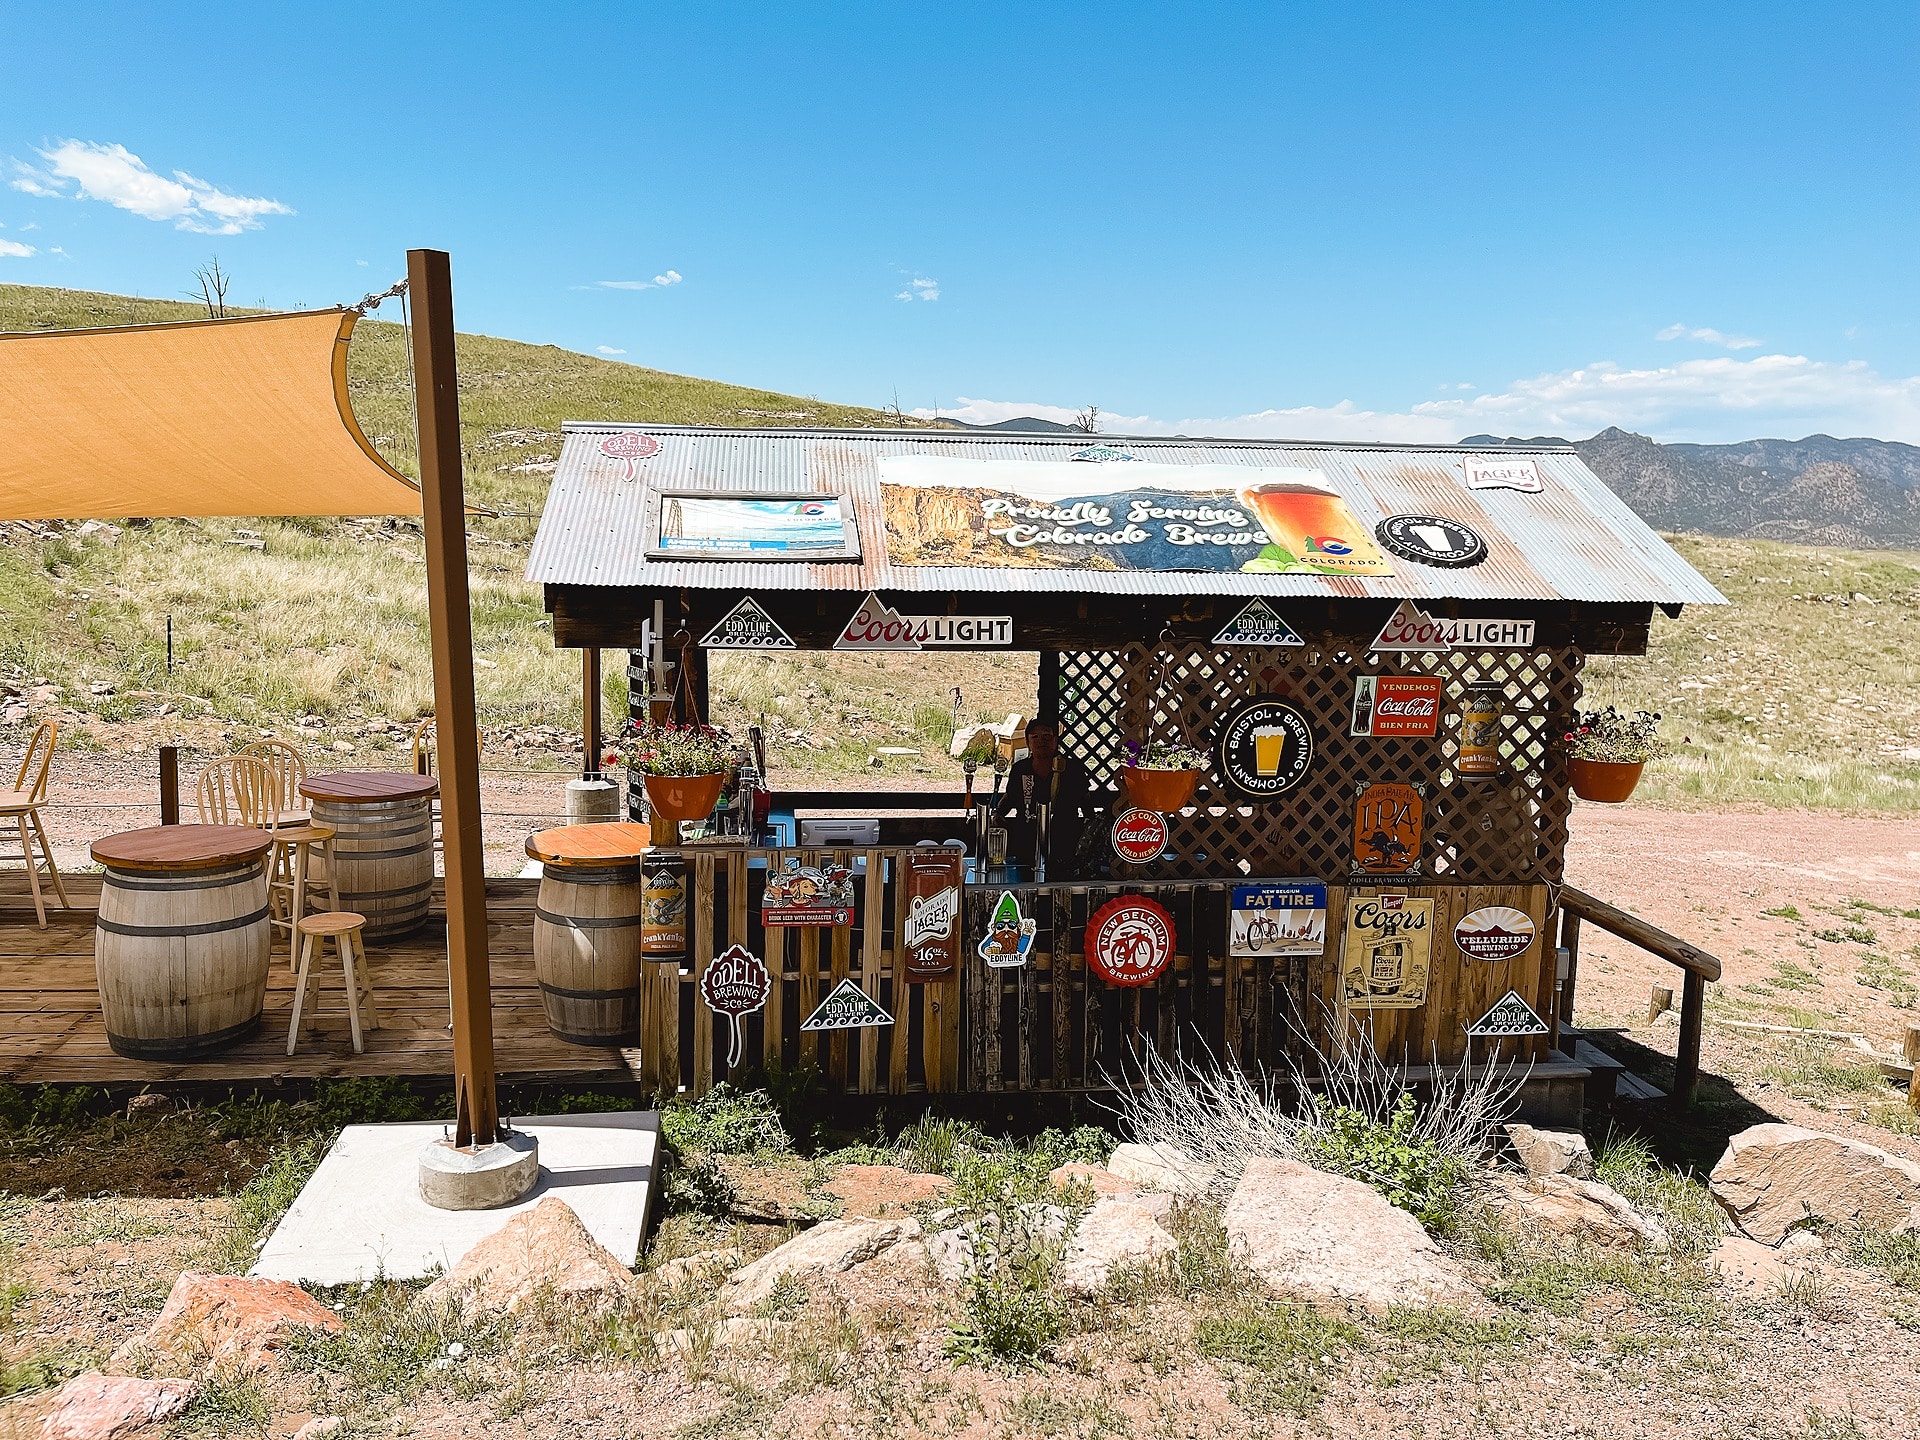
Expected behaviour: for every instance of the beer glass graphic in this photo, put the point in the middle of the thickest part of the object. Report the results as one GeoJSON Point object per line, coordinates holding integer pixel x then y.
{"type": "Point", "coordinates": [1313, 524]}
{"type": "Point", "coordinates": [1269, 746]}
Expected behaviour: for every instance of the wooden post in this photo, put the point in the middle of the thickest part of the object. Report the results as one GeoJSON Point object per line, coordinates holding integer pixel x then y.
{"type": "Point", "coordinates": [1686, 1060]}
{"type": "Point", "coordinates": [444, 511]}
{"type": "Point", "coordinates": [1569, 942]}
{"type": "Point", "coordinates": [1659, 1002]}
{"type": "Point", "coordinates": [169, 784]}
{"type": "Point", "coordinates": [590, 713]}
{"type": "Point", "coordinates": [1913, 1059]}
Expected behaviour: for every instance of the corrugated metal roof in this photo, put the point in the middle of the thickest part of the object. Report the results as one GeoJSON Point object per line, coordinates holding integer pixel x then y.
{"type": "Point", "coordinates": [1576, 540]}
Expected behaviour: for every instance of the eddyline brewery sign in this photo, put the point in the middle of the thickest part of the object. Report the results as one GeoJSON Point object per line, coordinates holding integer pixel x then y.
{"type": "Point", "coordinates": [1143, 515]}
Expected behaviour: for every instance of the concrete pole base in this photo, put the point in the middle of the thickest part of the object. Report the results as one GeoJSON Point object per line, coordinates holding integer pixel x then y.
{"type": "Point", "coordinates": [483, 1178]}
{"type": "Point", "coordinates": [593, 802]}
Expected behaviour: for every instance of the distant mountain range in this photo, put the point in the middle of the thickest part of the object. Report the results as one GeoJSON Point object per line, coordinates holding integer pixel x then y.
{"type": "Point", "coordinates": [1863, 494]}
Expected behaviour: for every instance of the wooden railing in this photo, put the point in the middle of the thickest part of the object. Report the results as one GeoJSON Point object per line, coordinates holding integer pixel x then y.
{"type": "Point", "coordinates": [1696, 965]}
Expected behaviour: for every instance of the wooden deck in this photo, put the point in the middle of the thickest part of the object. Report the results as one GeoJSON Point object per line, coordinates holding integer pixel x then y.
{"type": "Point", "coordinates": [51, 1031]}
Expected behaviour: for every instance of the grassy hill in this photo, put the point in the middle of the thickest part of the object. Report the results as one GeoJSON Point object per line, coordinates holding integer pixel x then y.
{"type": "Point", "coordinates": [1801, 693]}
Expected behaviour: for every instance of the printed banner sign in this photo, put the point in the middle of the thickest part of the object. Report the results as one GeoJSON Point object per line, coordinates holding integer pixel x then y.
{"type": "Point", "coordinates": [1495, 932]}
{"type": "Point", "coordinates": [796, 896]}
{"type": "Point", "coordinates": [931, 931]}
{"type": "Point", "coordinates": [1389, 821]}
{"type": "Point", "coordinates": [1273, 919]}
{"type": "Point", "coordinates": [878, 626]}
{"type": "Point", "coordinates": [1264, 748]}
{"type": "Point", "coordinates": [747, 627]}
{"type": "Point", "coordinates": [1129, 941]}
{"type": "Point", "coordinates": [1432, 540]}
{"type": "Point", "coordinates": [1411, 628]}
{"type": "Point", "coordinates": [1257, 624]}
{"type": "Point", "coordinates": [1063, 515]}
{"type": "Point", "coordinates": [735, 984]}
{"type": "Point", "coordinates": [1388, 952]}
{"type": "Point", "coordinates": [1510, 1016]}
{"type": "Point", "coordinates": [1503, 472]}
{"type": "Point", "coordinates": [1009, 934]}
{"type": "Point", "coordinates": [847, 1008]}
{"type": "Point", "coordinates": [1139, 836]}
{"type": "Point", "coordinates": [1397, 705]}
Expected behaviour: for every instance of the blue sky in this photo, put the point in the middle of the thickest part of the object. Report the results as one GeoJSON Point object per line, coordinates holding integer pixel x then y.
{"type": "Point", "coordinates": [1339, 220]}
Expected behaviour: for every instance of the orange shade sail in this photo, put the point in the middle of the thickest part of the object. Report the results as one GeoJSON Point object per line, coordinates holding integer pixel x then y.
{"type": "Point", "coordinates": [207, 417]}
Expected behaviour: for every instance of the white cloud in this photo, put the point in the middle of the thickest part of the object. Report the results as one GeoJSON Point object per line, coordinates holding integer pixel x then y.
{"type": "Point", "coordinates": [1708, 400]}
{"type": "Point", "coordinates": [80, 169]}
{"type": "Point", "coordinates": [609, 350]}
{"type": "Point", "coordinates": [921, 289]}
{"type": "Point", "coordinates": [1708, 336]}
{"type": "Point", "coordinates": [658, 282]}
{"type": "Point", "coordinates": [13, 249]}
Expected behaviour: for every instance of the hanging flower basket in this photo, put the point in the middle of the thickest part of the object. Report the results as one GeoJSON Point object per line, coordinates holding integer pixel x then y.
{"type": "Point", "coordinates": [1162, 790]}
{"type": "Point", "coordinates": [684, 797]}
{"type": "Point", "coordinates": [1606, 782]}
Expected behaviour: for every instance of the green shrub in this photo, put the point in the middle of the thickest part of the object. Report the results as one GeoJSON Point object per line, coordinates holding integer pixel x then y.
{"type": "Point", "coordinates": [1006, 1319]}
{"type": "Point", "coordinates": [1415, 1174]}
{"type": "Point", "coordinates": [699, 1185]}
{"type": "Point", "coordinates": [367, 1100]}
{"type": "Point", "coordinates": [259, 1204]}
{"type": "Point", "coordinates": [725, 1121]}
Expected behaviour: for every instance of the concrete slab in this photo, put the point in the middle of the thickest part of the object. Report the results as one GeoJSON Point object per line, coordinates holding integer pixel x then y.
{"type": "Point", "coordinates": [361, 1214]}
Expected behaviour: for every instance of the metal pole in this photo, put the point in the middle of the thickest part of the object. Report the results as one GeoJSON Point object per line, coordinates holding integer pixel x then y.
{"type": "Point", "coordinates": [437, 398]}
{"type": "Point", "coordinates": [590, 713]}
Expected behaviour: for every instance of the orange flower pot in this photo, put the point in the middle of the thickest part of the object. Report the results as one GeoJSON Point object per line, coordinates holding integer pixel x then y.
{"type": "Point", "coordinates": [1162, 790]}
{"type": "Point", "coordinates": [1606, 782]}
{"type": "Point", "coordinates": [683, 797]}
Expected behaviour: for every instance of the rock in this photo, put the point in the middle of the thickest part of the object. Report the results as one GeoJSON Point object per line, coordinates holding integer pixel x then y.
{"type": "Point", "coordinates": [1758, 1270]}
{"type": "Point", "coordinates": [1551, 1152]}
{"type": "Point", "coordinates": [950, 1253]}
{"type": "Point", "coordinates": [1114, 1232]}
{"type": "Point", "coordinates": [1326, 1238]}
{"type": "Point", "coordinates": [732, 1331]}
{"type": "Point", "coordinates": [542, 1250]}
{"type": "Point", "coordinates": [318, 1428]}
{"type": "Point", "coordinates": [100, 1407]}
{"type": "Point", "coordinates": [1774, 1177]}
{"type": "Point", "coordinates": [824, 1250]}
{"type": "Point", "coordinates": [1577, 1209]}
{"type": "Point", "coordinates": [1162, 1167]}
{"type": "Point", "coordinates": [881, 1191]}
{"type": "Point", "coordinates": [150, 1103]}
{"type": "Point", "coordinates": [224, 1322]}
{"type": "Point", "coordinates": [701, 1265]}
{"type": "Point", "coordinates": [1096, 1178]}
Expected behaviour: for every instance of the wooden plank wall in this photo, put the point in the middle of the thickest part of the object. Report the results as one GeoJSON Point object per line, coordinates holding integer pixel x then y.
{"type": "Point", "coordinates": [684, 1044]}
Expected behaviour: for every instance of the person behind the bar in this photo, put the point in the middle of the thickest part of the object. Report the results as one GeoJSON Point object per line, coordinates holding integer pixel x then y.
{"type": "Point", "coordinates": [1045, 776]}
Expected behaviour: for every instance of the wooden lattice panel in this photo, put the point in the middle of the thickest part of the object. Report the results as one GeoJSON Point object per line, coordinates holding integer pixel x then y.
{"type": "Point", "coordinates": [1499, 829]}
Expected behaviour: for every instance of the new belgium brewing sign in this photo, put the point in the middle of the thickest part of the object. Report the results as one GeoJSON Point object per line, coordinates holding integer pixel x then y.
{"type": "Point", "coordinates": [1264, 747]}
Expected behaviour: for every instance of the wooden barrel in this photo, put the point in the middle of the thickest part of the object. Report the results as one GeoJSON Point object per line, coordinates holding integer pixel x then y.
{"type": "Point", "coordinates": [180, 945]}
{"type": "Point", "coordinates": [586, 950]}
{"type": "Point", "coordinates": [383, 854]}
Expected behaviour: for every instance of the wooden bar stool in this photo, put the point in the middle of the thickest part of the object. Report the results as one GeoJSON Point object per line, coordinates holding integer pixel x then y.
{"type": "Point", "coordinates": [294, 876]}
{"type": "Point", "coordinates": [344, 926]}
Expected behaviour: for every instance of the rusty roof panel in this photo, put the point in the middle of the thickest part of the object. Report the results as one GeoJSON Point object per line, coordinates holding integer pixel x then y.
{"type": "Point", "coordinates": [1576, 540]}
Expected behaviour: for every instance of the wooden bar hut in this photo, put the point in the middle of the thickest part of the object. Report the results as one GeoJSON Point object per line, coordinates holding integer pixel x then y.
{"type": "Point", "coordinates": [1378, 649]}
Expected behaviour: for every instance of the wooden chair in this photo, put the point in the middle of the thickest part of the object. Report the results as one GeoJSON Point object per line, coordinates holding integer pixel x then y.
{"type": "Point", "coordinates": [287, 767]}
{"type": "Point", "coordinates": [238, 790]}
{"type": "Point", "coordinates": [251, 789]}
{"type": "Point", "coordinates": [426, 750]}
{"type": "Point", "coordinates": [356, 982]}
{"type": "Point", "coordinates": [22, 806]}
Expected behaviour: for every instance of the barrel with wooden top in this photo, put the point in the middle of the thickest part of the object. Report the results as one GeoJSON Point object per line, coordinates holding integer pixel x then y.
{"type": "Point", "coordinates": [180, 946]}
{"type": "Point", "coordinates": [586, 930]}
{"type": "Point", "coordinates": [383, 845]}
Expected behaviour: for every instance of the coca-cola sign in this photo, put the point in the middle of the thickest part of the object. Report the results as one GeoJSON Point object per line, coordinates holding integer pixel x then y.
{"type": "Point", "coordinates": [1140, 836]}
{"type": "Point", "coordinates": [1388, 705]}
{"type": "Point", "coordinates": [1411, 628]}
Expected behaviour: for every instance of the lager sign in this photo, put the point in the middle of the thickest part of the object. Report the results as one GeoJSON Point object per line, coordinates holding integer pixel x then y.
{"type": "Point", "coordinates": [1388, 952]}
{"type": "Point", "coordinates": [1411, 628]}
{"type": "Point", "coordinates": [1386, 705]}
{"type": "Point", "coordinates": [876, 625]}
{"type": "Point", "coordinates": [931, 935]}
{"type": "Point", "coordinates": [1502, 472]}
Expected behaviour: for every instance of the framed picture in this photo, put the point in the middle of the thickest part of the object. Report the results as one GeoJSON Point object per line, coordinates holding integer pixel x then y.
{"type": "Point", "coordinates": [751, 525]}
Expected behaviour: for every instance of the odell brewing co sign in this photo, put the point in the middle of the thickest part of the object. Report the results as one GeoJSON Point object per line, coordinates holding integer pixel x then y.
{"type": "Point", "coordinates": [931, 933]}
{"type": "Point", "coordinates": [1496, 932]}
{"type": "Point", "coordinates": [1258, 624]}
{"type": "Point", "coordinates": [1264, 748]}
{"type": "Point", "coordinates": [1140, 836]}
{"type": "Point", "coordinates": [735, 984]}
{"type": "Point", "coordinates": [747, 627]}
{"type": "Point", "coordinates": [1385, 705]}
{"type": "Point", "coordinates": [878, 626]}
{"type": "Point", "coordinates": [1388, 952]}
{"type": "Point", "coordinates": [1411, 628]}
{"type": "Point", "coordinates": [629, 446]}
{"type": "Point", "coordinates": [1388, 821]}
{"type": "Point", "coordinates": [1129, 941]}
{"type": "Point", "coordinates": [1503, 472]}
